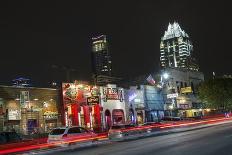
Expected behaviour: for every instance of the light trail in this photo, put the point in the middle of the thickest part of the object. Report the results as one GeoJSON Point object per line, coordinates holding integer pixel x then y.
{"type": "Point", "coordinates": [19, 147]}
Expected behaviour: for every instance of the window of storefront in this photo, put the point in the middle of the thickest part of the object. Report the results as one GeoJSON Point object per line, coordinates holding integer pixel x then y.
{"type": "Point", "coordinates": [118, 116]}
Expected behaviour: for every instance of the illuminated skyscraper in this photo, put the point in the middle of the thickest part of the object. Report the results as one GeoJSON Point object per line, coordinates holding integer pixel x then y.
{"type": "Point", "coordinates": [101, 59]}
{"type": "Point", "coordinates": [176, 49]}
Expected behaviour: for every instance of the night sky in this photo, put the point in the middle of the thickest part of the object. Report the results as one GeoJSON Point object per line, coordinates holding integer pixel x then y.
{"type": "Point", "coordinates": [35, 35]}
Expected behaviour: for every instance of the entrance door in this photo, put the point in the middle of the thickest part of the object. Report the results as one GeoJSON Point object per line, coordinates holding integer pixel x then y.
{"type": "Point", "coordinates": [31, 125]}
{"type": "Point", "coordinates": [118, 116]}
{"type": "Point", "coordinates": [140, 117]}
{"type": "Point", "coordinates": [107, 119]}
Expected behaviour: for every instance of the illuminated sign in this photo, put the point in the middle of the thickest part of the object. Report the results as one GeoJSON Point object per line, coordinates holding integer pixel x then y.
{"type": "Point", "coordinates": [50, 115]}
{"type": "Point", "coordinates": [66, 118]}
{"type": "Point", "coordinates": [14, 114]}
{"type": "Point", "coordinates": [93, 100]}
{"type": "Point", "coordinates": [172, 95]}
{"type": "Point", "coordinates": [132, 97]}
{"type": "Point", "coordinates": [75, 92]}
{"type": "Point", "coordinates": [186, 90]}
{"type": "Point", "coordinates": [184, 106]}
{"type": "Point", "coordinates": [112, 94]}
{"type": "Point", "coordinates": [24, 97]}
{"type": "Point", "coordinates": [70, 91]}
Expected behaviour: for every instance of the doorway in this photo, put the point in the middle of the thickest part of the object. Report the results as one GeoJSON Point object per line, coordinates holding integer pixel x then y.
{"type": "Point", "coordinates": [118, 116]}
{"type": "Point", "coordinates": [108, 119]}
{"type": "Point", "coordinates": [31, 125]}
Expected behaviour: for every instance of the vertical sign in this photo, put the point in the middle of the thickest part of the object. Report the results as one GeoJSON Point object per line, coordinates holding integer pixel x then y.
{"type": "Point", "coordinates": [24, 97]}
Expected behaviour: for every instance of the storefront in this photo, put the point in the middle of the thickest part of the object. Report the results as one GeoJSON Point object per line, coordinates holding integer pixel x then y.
{"type": "Point", "coordinates": [135, 100]}
{"type": "Point", "coordinates": [113, 103]}
{"type": "Point", "coordinates": [154, 103]}
{"type": "Point", "coordinates": [26, 109]}
{"type": "Point", "coordinates": [82, 105]}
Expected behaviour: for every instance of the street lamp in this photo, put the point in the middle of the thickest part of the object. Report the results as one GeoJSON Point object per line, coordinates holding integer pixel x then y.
{"type": "Point", "coordinates": [165, 75]}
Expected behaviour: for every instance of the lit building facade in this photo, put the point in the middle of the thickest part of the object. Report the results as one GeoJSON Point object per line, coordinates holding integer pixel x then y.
{"type": "Point", "coordinates": [114, 106]}
{"type": "Point", "coordinates": [26, 109]}
{"type": "Point", "coordinates": [101, 58]}
{"type": "Point", "coordinates": [180, 90]}
{"type": "Point", "coordinates": [154, 103]}
{"type": "Point", "coordinates": [82, 105]}
{"type": "Point", "coordinates": [134, 98]}
{"type": "Point", "coordinates": [176, 49]}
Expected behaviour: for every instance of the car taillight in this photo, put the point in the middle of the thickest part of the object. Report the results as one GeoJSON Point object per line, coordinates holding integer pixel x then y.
{"type": "Point", "coordinates": [120, 131]}
{"type": "Point", "coordinates": [64, 136]}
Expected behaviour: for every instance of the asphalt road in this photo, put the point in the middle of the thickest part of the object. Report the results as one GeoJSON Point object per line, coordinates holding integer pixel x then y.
{"type": "Point", "coordinates": [216, 140]}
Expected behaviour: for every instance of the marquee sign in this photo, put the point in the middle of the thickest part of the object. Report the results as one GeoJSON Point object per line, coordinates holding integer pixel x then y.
{"type": "Point", "coordinates": [186, 90]}
{"type": "Point", "coordinates": [113, 94]}
{"type": "Point", "coordinates": [92, 100]}
{"type": "Point", "coordinates": [172, 95]}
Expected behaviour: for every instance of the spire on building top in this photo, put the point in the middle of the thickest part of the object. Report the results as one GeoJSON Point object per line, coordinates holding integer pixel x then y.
{"type": "Point", "coordinates": [174, 30]}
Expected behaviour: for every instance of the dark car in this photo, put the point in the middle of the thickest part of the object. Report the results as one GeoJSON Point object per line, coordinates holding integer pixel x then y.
{"type": "Point", "coordinates": [123, 132]}
{"type": "Point", "coordinates": [9, 137]}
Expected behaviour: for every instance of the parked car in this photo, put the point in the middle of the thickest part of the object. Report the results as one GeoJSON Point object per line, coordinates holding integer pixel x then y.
{"type": "Point", "coordinates": [65, 136]}
{"type": "Point", "coordinates": [9, 137]}
{"type": "Point", "coordinates": [123, 132]}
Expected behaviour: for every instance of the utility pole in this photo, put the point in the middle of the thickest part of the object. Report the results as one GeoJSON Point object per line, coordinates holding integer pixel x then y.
{"type": "Point", "coordinates": [67, 71]}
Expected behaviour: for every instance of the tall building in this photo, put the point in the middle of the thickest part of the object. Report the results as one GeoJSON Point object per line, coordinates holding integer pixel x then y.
{"type": "Point", "coordinates": [101, 59]}
{"type": "Point", "coordinates": [176, 49]}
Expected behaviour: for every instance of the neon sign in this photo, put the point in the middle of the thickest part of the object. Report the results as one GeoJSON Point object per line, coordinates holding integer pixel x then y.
{"type": "Point", "coordinates": [112, 94]}
{"type": "Point", "coordinates": [132, 97]}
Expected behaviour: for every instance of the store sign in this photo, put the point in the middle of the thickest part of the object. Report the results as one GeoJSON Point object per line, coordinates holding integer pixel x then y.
{"type": "Point", "coordinates": [184, 106]}
{"type": "Point", "coordinates": [186, 90]}
{"type": "Point", "coordinates": [172, 95]}
{"type": "Point", "coordinates": [132, 97]}
{"type": "Point", "coordinates": [75, 92]}
{"type": "Point", "coordinates": [70, 91]}
{"type": "Point", "coordinates": [113, 94]}
{"type": "Point", "coordinates": [92, 100]}
{"type": "Point", "coordinates": [50, 115]}
{"type": "Point", "coordinates": [14, 114]}
{"type": "Point", "coordinates": [24, 98]}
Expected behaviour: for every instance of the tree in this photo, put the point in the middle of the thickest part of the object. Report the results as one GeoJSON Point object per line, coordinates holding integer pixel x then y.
{"type": "Point", "coordinates": [217, 93]}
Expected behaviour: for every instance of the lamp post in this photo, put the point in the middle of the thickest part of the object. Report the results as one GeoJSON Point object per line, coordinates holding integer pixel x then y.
{"type": "Point", "coordinates": [171, 108]}
{"type": "Point", "coordinates": [170, 90]}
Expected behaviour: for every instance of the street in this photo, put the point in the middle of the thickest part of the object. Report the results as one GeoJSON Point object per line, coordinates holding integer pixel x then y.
{"type": "Point", "coordinates": [207, 141]}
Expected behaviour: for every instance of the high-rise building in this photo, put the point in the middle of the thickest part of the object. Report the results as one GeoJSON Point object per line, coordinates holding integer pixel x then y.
{"type": "Point", "coordinates": [176, 49]}
{"type": "Point", "coordinates": [101, 59]}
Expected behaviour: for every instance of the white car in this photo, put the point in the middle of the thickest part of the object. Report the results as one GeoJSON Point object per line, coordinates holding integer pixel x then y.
{"type": "Point", "coordinates": [65, 136]}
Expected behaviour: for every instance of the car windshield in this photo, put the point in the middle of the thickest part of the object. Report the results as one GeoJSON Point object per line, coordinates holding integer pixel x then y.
{"type": "Point", "coordinates": [57, 131]}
